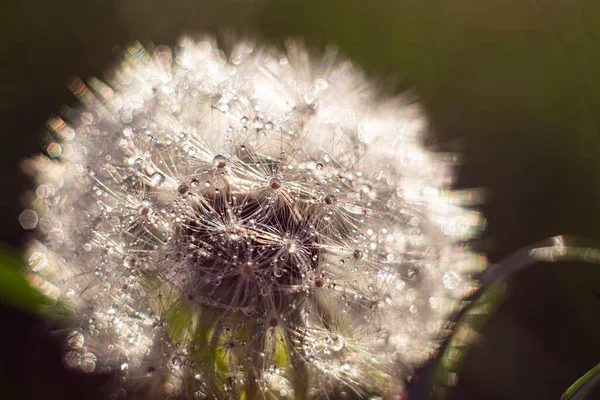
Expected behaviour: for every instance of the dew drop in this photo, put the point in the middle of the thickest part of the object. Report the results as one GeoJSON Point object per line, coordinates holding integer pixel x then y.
{"type": "Point", "coordinates": [182, 189]}
{"type": "Point", "coordinates": [451, 280]}
{"type": "Point", "coordinates": [57, 235]}
{"type": "Point", "coordinates": [433, 303]}
{"type": "Point", "coordinates": [156, 179]}
{"type": "Point", "coordinates": [88, 363]}
{"type": "Point", "coordinates": [249, 310]}
{"type": "Point", "coordinates": [321, 84]}
{"type": "Point", "coordinates": [330, 199]}
{"type": "Point", "coordinates": [319, 166]}
{"type": "Point", "coordinates": [38, 261]}
{"type": "Point", "coordinates": [75, 339]}
{"type": "Point", "coordinates": [247, 268]}
{"type": "Point", "coordinates": [54, 149]}
{"type": "Point", "coordinates": [275, 183]}
{"type": "Point", "coordinates": [28, 219]}
{"type": "Point", "coordinates": [127, 117]}
{"type": "Point", "coordinates": [87, 118]}
{"type": "Point", "coordinates": [338, 343]}
{"type": "Point", "coordinates": [220, 161]}
{"type": "Point", "coordinates": [73, 359]}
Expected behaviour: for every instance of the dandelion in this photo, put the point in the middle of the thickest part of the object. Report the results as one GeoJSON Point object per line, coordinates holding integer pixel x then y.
{"type": "Point", "coordinates": [255, 226]}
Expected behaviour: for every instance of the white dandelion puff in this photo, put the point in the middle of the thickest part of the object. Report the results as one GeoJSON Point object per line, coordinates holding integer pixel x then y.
{"type": "Point", "coordinates": [258, 226]}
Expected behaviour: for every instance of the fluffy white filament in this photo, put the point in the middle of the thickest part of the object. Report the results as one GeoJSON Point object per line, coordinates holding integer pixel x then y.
{"type": "Point", "coordinates": [261, 226]}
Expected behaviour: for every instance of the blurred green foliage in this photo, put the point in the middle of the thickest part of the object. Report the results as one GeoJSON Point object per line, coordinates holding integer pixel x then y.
{"type": "Point", "coordinates": [537, 58]}
{"type": "Point", "coordinates": [15, 290]}
{"type": "Point", "coordinates": [465, 334]}
{"type": "Point", "coordinates": [580, 390]}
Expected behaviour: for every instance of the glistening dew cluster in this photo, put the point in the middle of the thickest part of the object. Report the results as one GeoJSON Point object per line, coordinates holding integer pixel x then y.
{"type": "Point", "coordinates": [258, 225]}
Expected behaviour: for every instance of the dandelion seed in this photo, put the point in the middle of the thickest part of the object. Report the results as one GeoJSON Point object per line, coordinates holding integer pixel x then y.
{"type": "Point", "coordinates": [259, 227]}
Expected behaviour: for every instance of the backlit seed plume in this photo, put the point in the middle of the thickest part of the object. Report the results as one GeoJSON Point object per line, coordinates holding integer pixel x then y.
{"type": "Point", "coordinates": [258, 226]}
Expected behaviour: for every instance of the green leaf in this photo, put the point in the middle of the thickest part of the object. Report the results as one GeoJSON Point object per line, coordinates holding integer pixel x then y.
{"type": "Point", "coordinates": [467, 327]}
{"type": "Point", "coordinates": [580, 389]}
{"type": "Point", "coordinates": [14, 288]}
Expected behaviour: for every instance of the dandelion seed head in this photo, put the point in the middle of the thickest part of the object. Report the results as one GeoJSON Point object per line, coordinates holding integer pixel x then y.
{"type": "Point", "coordinates": [259, 223]}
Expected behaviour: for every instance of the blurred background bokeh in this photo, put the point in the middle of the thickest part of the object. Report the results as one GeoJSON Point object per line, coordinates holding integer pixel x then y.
{"type": "Point", "coordinates": [513, 85]}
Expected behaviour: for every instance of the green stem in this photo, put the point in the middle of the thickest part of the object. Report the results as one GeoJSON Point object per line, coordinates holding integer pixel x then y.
{"type": "Point", "coordinates": [582, 386]}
